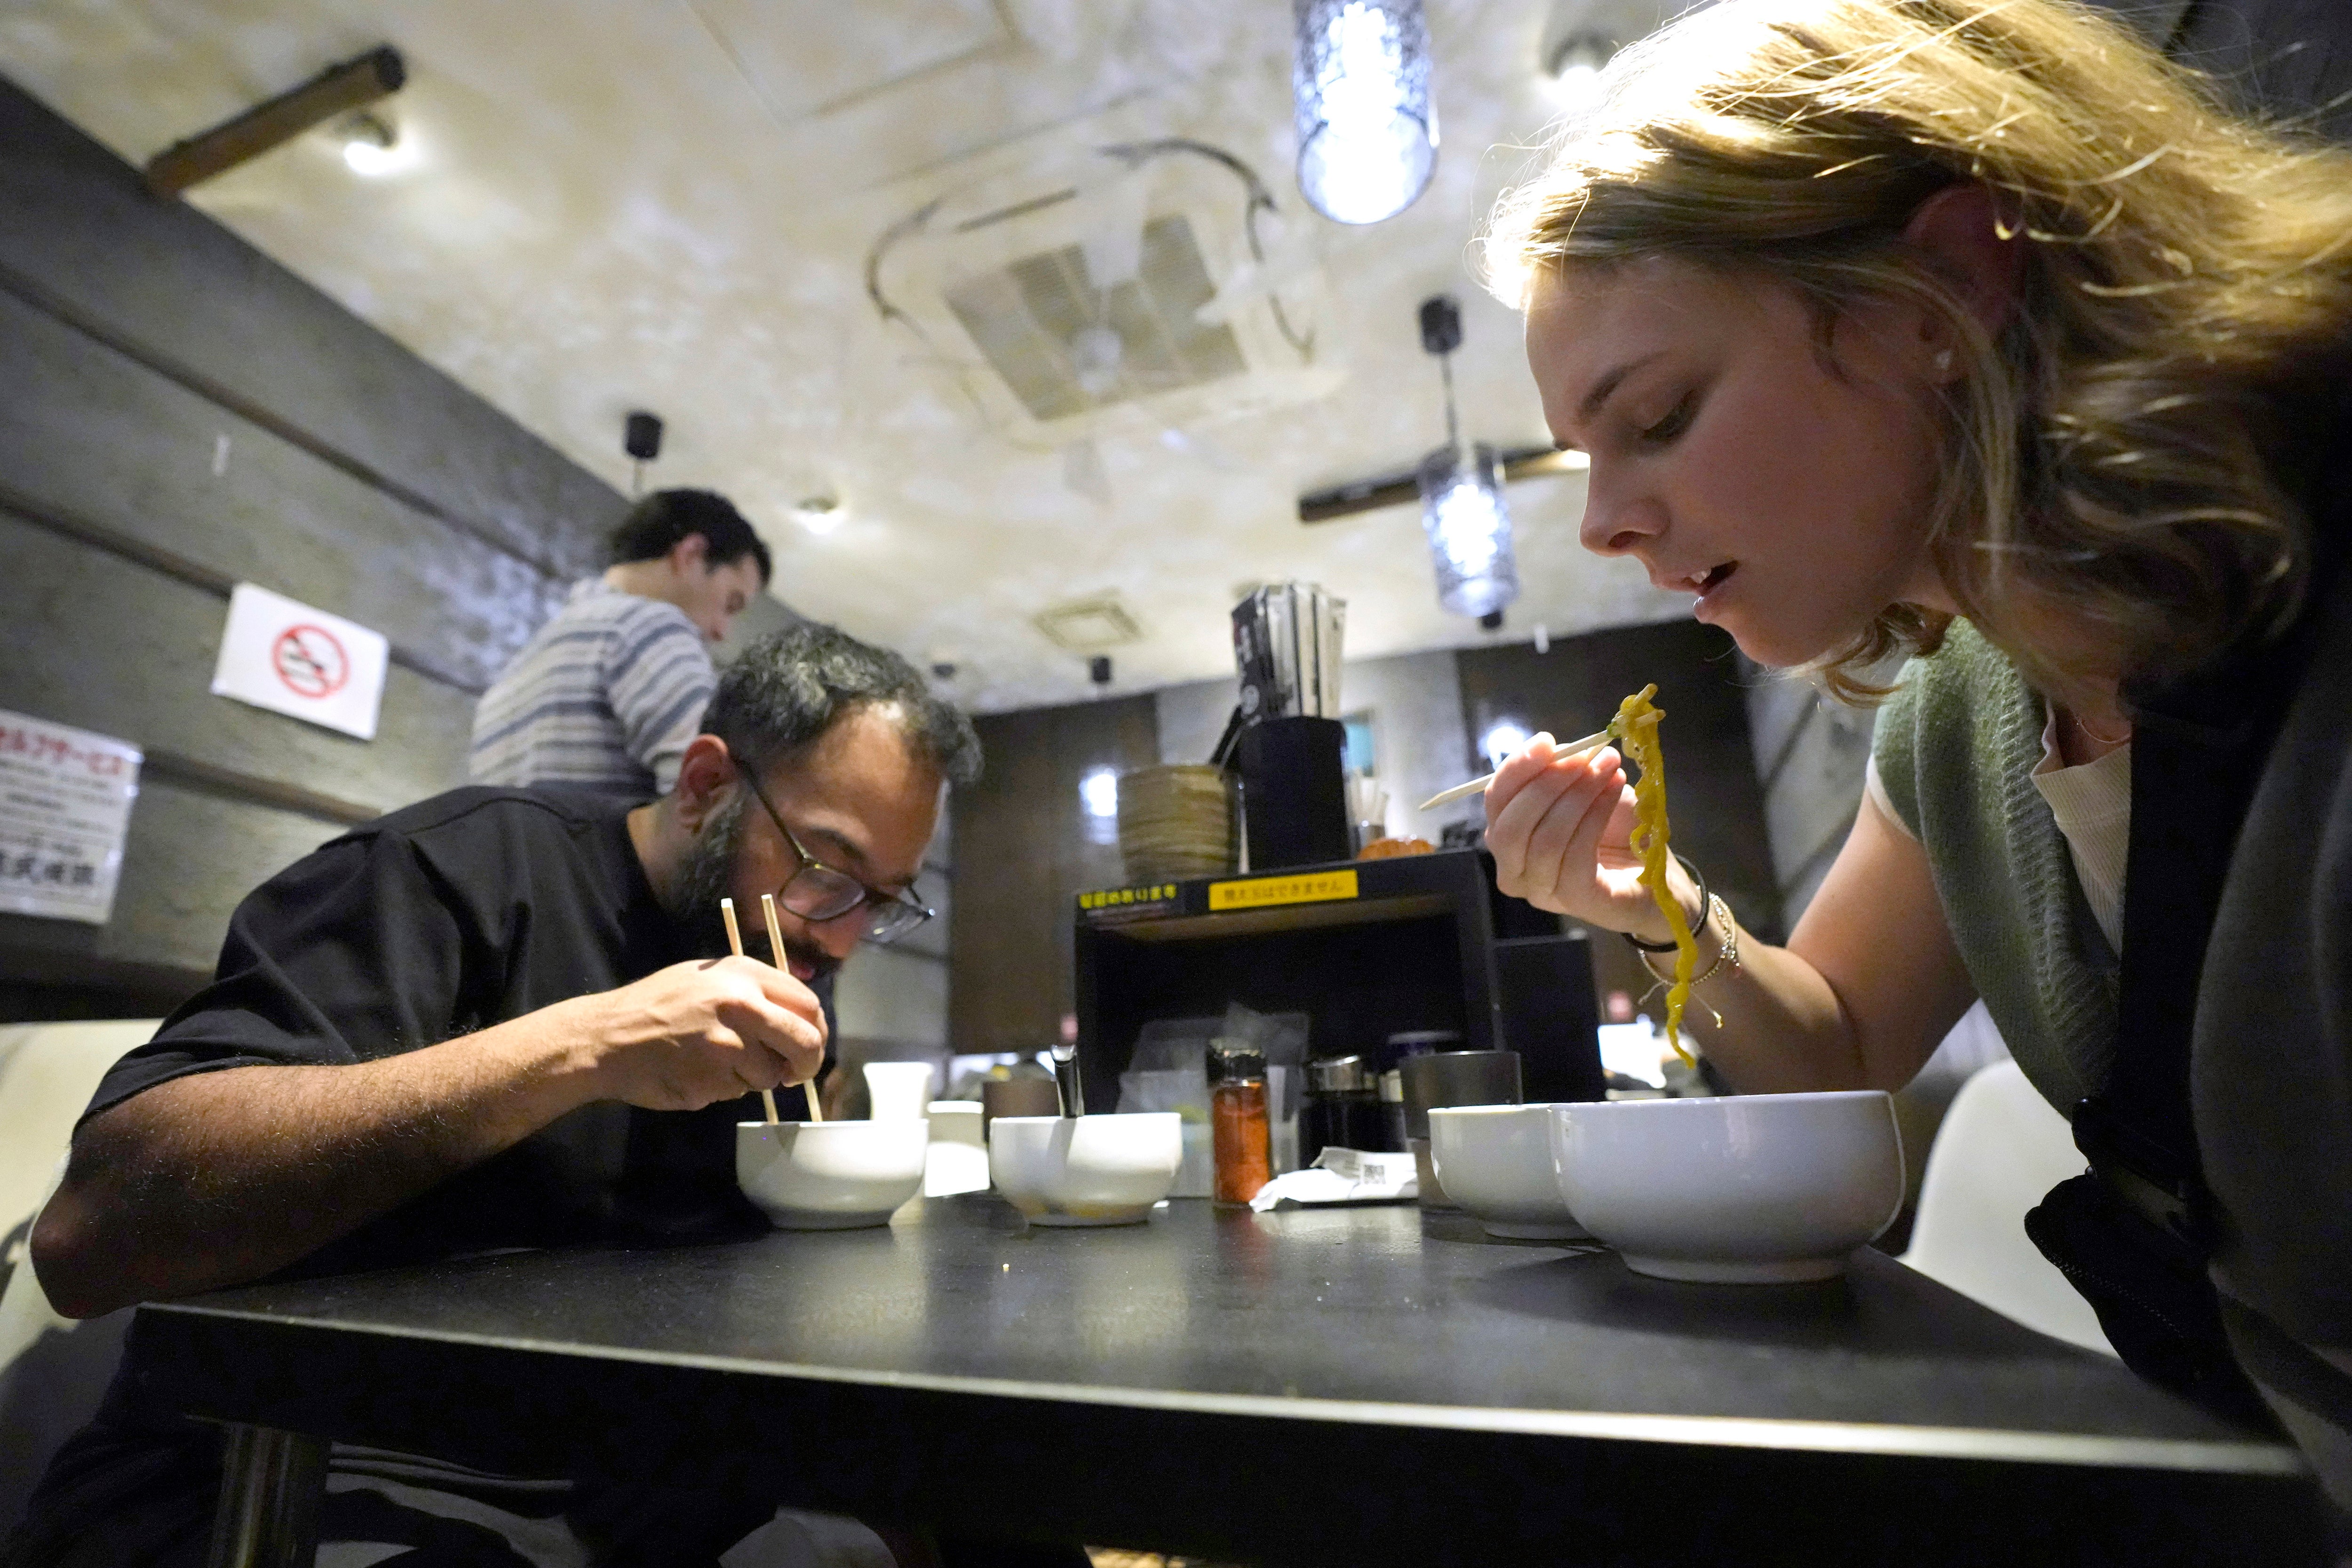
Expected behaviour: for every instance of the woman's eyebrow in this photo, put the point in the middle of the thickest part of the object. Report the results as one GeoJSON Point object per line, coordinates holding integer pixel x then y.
{"type": "Point", "coordinates": [1609, 383]}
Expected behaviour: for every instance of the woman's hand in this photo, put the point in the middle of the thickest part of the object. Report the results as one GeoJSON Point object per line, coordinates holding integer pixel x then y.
{"type": "Point", "coordinates": [1560, 829]}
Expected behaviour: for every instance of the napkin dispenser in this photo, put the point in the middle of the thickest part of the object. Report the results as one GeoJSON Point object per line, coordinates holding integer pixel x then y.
{"type": "Point", "coordinates": [1291, 745]}
{"type": "Point", "coordinates": [1293, 792]}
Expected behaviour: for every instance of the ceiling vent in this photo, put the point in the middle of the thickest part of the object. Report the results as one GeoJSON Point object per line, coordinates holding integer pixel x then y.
{"type": "Point", "coordinates": [1089, 625]}
{"type": "Point", "coordinates": [1136, 288]}
{"type": "Point", "coordinates": [1065, 346]}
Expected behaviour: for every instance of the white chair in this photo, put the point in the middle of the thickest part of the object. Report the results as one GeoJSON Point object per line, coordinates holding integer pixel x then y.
{"type": "Point", "coordinates": [52, 1370]}
{"type": "Point", "coordinates": [2000, 1148]}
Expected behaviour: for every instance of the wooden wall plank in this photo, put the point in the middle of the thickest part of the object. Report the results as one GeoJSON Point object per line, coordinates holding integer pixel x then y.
{"type": "Point", "coordinates": [106, 645]}
{"type": "Point", "coordinates": [1021, 854]}
{"type": "Point", "coordinates": [190, 857]}
{"type": "Point", "coordinates": [134, 333]}
{"type": "Point", "coordinates": [80, 223]}
{"type": "Point", "coordinates": [97, 435]}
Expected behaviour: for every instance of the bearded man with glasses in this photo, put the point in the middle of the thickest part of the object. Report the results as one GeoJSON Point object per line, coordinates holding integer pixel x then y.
{"type": "Point", "coordinates": [500, 1017]}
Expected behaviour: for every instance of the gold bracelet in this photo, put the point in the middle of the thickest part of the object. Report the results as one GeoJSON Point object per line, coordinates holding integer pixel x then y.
{"type": "Point", "coordinates": [1727, 945]}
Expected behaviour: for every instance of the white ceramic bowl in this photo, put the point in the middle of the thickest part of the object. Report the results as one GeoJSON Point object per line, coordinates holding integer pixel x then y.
{"type": "Point", "coordinates": [1747, 1189]}
{"type": "Point", "coordinates": [830, 1175]}
{"type": "Point", "coordinates": [1495, 1162]}
{"type": "Point", "coordinates": [1085, 1169]}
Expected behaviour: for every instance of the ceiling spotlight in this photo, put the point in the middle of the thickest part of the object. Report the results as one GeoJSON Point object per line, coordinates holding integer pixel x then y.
{"type": "Point", "coordinates": [1575, 65]}
{"type": "Point", "coordinates": [819, 514]}
{"type": "Point", "coordinates": [1098, 805]}
{"type": "Point", "coordinates": [371, 146]}
{"type": "Point", "coordinates": [1503, 740]}
{"type": "Point", "coordinates": [1366, 130]}
{"type": "Point", "coordinates": [1094, 356]}
{"type": "Point", "coordinates": [1462, 505]}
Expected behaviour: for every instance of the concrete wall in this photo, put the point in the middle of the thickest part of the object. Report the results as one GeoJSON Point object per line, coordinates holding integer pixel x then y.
{"type": "Point", "coordinates": [179, 414]}
{"type": "Point", "coordinates": [1810, 755]}
{"type": "Point", "coordinates": [893, 1001]}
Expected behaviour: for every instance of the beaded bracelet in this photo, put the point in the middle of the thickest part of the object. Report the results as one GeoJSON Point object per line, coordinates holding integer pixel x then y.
{"type": "Point", "coordinates": [1703, 896]}
{"type": "Point", "coordinates": [1727, 947]}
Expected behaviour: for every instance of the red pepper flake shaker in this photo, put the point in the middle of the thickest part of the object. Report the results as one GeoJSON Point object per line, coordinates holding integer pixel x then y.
{"type": "Point", "coordinates": [1240, 1136]}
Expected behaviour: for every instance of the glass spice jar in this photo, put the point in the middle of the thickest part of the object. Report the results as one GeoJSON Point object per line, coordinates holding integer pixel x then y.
{"type": "Point", "coordinates": [1241, 1143]}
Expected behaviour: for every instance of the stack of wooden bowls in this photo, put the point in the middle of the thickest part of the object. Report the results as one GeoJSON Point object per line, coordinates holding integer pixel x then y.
{"type": "Point", "coordinates": [1175, 821]}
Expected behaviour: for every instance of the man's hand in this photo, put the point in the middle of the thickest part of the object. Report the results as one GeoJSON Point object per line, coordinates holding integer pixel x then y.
{"type": "Point", "coordinates": [699, 1032]}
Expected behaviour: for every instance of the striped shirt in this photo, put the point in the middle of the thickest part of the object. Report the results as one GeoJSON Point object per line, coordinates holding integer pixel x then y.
{"type": "Point", "coordinates": [605, 697]}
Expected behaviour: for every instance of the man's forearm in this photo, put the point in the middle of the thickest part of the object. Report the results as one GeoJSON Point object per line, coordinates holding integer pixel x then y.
{"type": "Point", "coordinates": [224, 1176]}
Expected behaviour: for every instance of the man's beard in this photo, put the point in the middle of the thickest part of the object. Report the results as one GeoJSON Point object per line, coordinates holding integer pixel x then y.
{"type": "Point", "coordinates": [707, 875]}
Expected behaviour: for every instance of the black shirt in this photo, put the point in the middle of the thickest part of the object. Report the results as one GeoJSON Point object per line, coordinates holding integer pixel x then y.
{"type": "Point", "coordinates": [462, 911]}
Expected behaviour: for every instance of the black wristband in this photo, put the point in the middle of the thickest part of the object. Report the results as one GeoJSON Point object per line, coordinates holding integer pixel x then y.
{"type": "Point", "coordinates": [1696, 876]}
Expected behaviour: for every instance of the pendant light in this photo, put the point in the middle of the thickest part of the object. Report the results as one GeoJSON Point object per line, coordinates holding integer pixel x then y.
{"type": "Point", "coordinates": [1462, 505]}
{"type": "Point", "coordinates": [1366, 130]}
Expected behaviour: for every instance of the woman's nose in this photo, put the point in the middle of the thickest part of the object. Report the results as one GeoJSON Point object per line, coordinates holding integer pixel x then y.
{"type": "Point", "coordinates": [1615, 523]}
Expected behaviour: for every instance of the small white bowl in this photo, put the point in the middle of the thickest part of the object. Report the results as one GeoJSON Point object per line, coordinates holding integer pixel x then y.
{"type": "Point", "coordinates": [830, 1175]}
{"type": "Point", "coordinates": [1746, 1189]}
{"type": "Point", "coordinates": [1085, 1169]}
{"type": "Point", "coordinates": [1495, 1162]}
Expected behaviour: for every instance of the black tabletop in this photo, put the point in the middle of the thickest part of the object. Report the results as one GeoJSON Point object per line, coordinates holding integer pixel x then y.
{"type": "Point", "coordinates": [1365, 1384]}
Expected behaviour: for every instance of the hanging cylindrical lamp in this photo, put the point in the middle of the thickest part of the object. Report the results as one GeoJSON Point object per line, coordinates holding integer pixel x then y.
{"type": "Point", "coordinates": [1366, 128]}
{"type": "Point", "coordinates": [1462, 505]}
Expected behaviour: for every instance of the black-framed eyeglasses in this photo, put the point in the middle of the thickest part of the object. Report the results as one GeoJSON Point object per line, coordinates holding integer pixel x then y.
{"type": "Point", "coordinates": [818, 893]}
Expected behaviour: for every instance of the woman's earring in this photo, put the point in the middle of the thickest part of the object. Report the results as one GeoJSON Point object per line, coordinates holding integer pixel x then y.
{"type": "Point", "coordinates": [1943, 361]}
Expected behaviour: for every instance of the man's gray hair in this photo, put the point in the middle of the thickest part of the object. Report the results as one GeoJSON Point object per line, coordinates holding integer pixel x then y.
{"type": "Point", "coordinates": [786, 690]}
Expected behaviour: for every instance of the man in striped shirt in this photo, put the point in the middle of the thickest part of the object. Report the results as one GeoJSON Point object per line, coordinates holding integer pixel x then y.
{"type": "Point", "coordinates": [606, 696]}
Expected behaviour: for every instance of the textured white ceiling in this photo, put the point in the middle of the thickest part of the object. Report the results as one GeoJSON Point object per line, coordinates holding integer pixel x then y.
{"type": "Point", "coordinates": [612, 204]}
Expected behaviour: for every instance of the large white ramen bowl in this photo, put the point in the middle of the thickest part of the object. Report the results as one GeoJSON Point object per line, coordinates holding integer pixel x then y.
{"type": "Point", "coordinates": [1495, 1162]}
{"type": "Point", "coordinates": [1746, 1189]}
{"type": "Point", "coordinates": [830, 1175]}
{"type": "Point", "coordinates": [1085, 1169]}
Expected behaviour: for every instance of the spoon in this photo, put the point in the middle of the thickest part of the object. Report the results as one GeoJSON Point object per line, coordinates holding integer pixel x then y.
{"type": "Point", "coordinates": [1066, 1078]}
{"type": "Point", "coordinates": [1569, 753]}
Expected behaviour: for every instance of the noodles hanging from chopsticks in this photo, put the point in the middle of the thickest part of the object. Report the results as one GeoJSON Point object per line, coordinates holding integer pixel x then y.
{"type": "Point", "coordinates": [1637, 730]}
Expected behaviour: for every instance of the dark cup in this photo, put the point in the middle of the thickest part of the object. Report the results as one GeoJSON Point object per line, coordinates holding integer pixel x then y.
{"type": "Point", "coordinates": [1457, 1077]}
{"type": "Point", "coordinates": [1016, 1097]}
{"type": "Point", "coordinates": [1451, 1077]}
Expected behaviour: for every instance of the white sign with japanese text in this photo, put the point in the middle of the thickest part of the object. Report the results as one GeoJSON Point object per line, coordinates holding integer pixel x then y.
{"type": "Point", "coordinates": [65, 806]}
{"type": "Point", "coordinates": [282, 655]}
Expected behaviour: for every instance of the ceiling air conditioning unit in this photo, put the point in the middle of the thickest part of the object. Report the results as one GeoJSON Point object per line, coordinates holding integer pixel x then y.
{"type": "Point", "coordinates": [1148, 288]}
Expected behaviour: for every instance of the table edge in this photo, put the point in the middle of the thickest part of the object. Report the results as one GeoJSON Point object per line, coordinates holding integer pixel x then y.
{"type": "Point", "coordinates": [2249, 1455]}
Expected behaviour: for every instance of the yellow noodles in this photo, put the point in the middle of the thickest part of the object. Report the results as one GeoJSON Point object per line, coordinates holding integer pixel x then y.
{"type": "Point", "coordinates": [1637, 725]}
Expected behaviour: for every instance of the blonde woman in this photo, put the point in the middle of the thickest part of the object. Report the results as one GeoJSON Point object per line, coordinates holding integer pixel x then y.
{"type": "Point", "coordinates": [1976, 331]}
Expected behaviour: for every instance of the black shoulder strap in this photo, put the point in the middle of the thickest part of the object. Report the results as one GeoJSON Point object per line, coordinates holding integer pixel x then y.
{"type": "Point", "coordinates": [2198, 749]}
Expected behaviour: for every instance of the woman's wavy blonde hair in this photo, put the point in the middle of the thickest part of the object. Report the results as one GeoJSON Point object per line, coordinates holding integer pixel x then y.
{"type": "Point", "coordinates": [2129, 448]}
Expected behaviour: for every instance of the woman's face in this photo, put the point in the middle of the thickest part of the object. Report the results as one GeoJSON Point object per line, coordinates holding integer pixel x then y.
{"type": "Point", "coordinates": [1789, 495]}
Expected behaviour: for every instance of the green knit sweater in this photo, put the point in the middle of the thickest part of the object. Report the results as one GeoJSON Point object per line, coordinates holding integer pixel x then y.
{"type": "Point", "coordinates": [1956, 749]}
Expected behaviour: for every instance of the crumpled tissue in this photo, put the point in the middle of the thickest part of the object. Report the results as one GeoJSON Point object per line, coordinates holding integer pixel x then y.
{"type": "Point", "coordinates": [1342, 1176]}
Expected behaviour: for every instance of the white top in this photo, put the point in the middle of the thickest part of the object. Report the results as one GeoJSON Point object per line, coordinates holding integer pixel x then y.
{"type": "Point", "coordinates": [2091, 804]}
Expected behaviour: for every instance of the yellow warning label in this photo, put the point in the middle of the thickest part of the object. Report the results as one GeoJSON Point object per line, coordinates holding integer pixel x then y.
{"type": "Point", "coordinates": [1112, 898]}
{"type": "Point", "coordinates": [1261, 892]}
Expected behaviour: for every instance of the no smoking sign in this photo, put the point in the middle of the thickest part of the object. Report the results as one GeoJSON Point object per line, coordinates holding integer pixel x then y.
{"type": "Point", "coordinates": [281, 654]}
{"type": "Point", "coordinates": [310, 660]}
